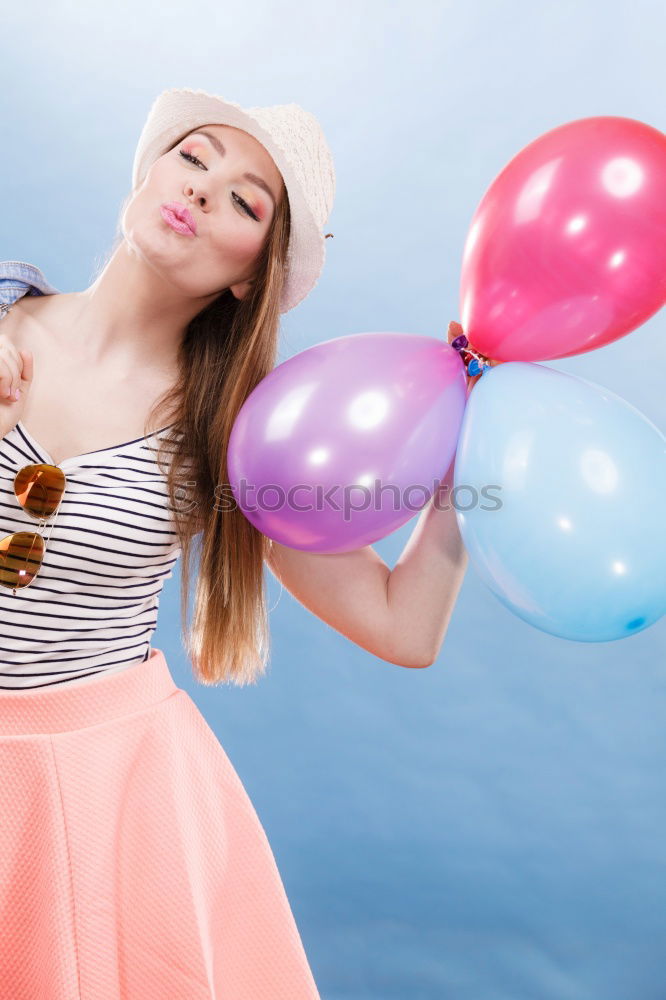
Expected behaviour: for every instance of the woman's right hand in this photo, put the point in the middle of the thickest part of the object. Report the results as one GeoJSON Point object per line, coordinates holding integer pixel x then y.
{"type": "Point", "coordinates": [455, 330]}
{"type": "Point", "coordinates": [16, 371]}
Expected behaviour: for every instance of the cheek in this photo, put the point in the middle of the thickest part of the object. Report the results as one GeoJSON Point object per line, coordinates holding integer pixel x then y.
{"type": "Point", "coordinates": [239, 244]}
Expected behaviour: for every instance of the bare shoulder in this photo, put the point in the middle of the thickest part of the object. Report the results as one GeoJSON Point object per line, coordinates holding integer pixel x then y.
{"type": "Point", "coordinates": [25, 319]}
{"type": "Point", "coordinates": [11, 321]}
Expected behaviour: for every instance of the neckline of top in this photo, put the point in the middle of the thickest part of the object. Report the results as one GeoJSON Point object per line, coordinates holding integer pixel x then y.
{"type": "Point", "coordinates": [85, 454]}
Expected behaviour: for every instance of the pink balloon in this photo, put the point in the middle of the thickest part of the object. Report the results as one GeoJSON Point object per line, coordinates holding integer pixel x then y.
{"type": "Point", "coordinates": [361, 429]}
{"type": "Point", "coordinates": [566, 251]}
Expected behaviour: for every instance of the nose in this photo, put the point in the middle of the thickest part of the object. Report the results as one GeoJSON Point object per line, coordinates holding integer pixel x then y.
{"type": "Point", "coordinates": [195, 195]}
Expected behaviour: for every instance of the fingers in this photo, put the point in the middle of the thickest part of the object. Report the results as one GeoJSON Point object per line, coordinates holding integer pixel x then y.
{"type": "Point", "coordinates": [10, 379]}
{"type": "Point", "coordinates": [15, 367]}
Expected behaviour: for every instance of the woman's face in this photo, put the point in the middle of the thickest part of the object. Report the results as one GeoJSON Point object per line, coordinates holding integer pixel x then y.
{"type": "Point", "coordinates": [231, 212]}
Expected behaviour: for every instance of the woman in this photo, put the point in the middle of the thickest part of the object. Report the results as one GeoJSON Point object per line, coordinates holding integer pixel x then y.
{"type": "Point", "coordinates": [133, 863]}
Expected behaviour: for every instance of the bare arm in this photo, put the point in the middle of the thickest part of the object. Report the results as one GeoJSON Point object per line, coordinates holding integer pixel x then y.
{"type": "Point", "coordinates": [424, 584]}
{"type": "Point", "coordinates": [399, 615]}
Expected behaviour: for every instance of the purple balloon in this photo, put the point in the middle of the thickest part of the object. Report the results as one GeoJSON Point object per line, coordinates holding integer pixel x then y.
{"type": "Point", "coordinates": [347, 440]}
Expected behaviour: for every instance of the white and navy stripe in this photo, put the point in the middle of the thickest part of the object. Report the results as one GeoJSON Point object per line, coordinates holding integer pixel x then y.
{"type": "Point", "coordinates": [110, 546]}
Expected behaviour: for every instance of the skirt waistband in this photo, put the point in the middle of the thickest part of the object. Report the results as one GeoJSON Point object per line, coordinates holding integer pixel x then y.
{"type": "Point", "coordinates": [62, 708]}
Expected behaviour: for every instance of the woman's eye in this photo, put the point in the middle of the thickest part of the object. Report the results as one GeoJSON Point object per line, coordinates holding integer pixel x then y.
{"type": "Point", "coordinates": [245, 206]}
{"type": "Point", "coordinates": [188, 156]}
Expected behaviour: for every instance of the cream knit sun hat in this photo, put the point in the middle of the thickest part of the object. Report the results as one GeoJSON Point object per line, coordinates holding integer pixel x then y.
{"type": "Point", "coordinates": [295, 141]}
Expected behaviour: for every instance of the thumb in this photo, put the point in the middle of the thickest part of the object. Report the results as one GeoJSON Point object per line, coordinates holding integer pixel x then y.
{"type": "Point", "coordinates": [454, 330]}
{"type": "Point", "coordinates": [28, 366]}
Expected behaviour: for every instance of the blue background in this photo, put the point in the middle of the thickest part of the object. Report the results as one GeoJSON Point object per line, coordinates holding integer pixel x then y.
{"type": "Point", "coordinates": [490, 828]}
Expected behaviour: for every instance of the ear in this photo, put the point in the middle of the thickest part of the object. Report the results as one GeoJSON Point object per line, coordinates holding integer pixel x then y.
{"type": "Point", "coordinates": [240, 290]}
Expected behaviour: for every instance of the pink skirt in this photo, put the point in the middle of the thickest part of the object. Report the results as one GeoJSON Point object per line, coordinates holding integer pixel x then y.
{"type": "Point", "coordinates": [132, 862]}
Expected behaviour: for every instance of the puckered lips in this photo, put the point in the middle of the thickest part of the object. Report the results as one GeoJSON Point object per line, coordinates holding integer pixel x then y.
{"type": "Point", "coordinates": [179, 218]}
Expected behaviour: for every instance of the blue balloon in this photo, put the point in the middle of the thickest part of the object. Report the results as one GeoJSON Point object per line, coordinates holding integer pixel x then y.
{"type": "Point", "coordinates": [560, 497]}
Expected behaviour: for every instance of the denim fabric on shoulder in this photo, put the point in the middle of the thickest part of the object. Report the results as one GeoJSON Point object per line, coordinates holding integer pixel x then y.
{"type": "Point", "coordinates": [18, 278]}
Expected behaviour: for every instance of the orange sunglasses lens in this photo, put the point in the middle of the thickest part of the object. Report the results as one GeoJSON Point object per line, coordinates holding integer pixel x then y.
{"type": "Point", "coordinates": [21, 556]}
{"type": "Point", "coordinates": [39, 489]}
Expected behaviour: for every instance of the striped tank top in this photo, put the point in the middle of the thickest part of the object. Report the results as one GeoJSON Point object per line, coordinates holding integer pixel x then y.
{"type": "Point", "coordinates": [109, 547]}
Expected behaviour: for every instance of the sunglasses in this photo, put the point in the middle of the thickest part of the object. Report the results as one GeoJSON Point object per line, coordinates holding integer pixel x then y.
{"type": "Point", "coordinates": [39, 489]}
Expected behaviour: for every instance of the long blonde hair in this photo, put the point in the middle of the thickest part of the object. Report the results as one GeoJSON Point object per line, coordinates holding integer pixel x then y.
{"type": "Point", "coordinates": [228, 348]}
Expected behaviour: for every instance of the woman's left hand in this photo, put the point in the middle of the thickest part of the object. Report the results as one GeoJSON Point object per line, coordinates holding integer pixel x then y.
{"type": "Point", "coordinates": [455, 330]}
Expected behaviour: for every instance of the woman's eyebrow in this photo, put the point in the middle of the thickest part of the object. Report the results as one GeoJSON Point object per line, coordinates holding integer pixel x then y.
{"type": "Point", "coordinates": [222, 151]}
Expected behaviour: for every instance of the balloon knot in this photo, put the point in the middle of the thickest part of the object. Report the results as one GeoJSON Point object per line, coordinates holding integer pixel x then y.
{"type": "Point", "coordinates": [475, 362]}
